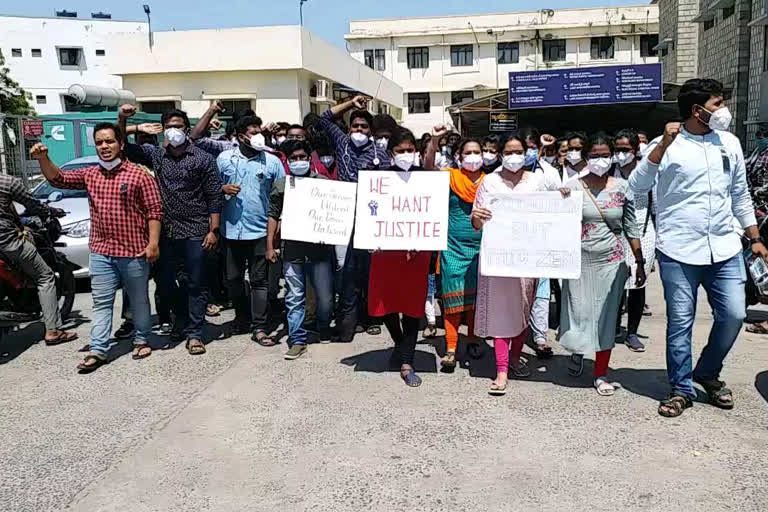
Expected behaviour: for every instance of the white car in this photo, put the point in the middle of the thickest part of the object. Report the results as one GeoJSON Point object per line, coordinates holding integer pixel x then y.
{"type": "Point", "coordinates": [76, 226]}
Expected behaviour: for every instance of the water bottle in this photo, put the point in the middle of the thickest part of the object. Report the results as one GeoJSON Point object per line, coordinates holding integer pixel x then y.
{"type": "Point", "coordinates": [758, 269]}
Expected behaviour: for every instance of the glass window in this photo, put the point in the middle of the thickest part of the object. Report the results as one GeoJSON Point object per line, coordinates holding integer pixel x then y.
{"type": "Point", "coordinates": [461, 55]}
{"type": "Point", "coordinates": [601, 48]}
{"type": "Point", "coordinates": [728, 12]}
{"type": "Point", "coordinates": [553, 50]}
{"type": "Point", "coordinates": [70, 105]}
{"type": "Point", "coordinates": [508, 53]}
{"type": "Point", "coordinates": [157, 107]}
{"type": "Point", "coordinates": [368, 55]}
{"type": "Point", "coordinates": [69, 56]}
{"type": "Point", "coordinates": [647, 44]}
{"type": "Point", "coordinates": [40, 99]}
{"type": "Point", "coordinates": [15, 52]}
{"type": "Point", "coordinates": [418, 103]}
{"type": "Point", "coordinates": [381, 60]}
{"type": "Point", "coordinates": [37, 52]}
{"type": "Point", "coordinates": [709, 24]}
{"type": "Point", "coordinates": [461, 97]}
{"type": "Point", "coordinates": [418, 57]}
{"type": "Point", "coordinates": [100, 53]}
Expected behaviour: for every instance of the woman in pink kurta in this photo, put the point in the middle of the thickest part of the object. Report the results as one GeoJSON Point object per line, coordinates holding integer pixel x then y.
{"type": "Point", "coordinates": [503, 307]}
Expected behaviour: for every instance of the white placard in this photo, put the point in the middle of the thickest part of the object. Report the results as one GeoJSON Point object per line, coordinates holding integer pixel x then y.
{"type": "Point", "coordinates": [318, 211]}
{"type": "Point", "coordinates": [402, 210]}
{"type": "Point", "coordinates": [535, 234]}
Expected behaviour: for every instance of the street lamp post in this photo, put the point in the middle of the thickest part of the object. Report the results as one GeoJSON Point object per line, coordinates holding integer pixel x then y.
{"type": "Point", "coordinates": [301, 11]}
{"type": "Point", "coordinates": [149, 22]}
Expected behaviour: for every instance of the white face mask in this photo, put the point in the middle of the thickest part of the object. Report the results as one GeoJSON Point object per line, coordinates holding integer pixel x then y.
{"type": "Point", "coordinates": [550, 159]}
{"type": "Point", "coordinates": [472, 162]}
{"type": "Point", "coordinates": [175, 137]}
{"type": "Point", "coordinates": [417, 160]}
{"type": "Point", "coordinates": [489, 158]}
{"type": "Point", "coordinates": [405, 161]}
{"type": "Point", "coordinates": [624, 158]}
{"type": "Point", "coordinates": [573, 157]}
{"type": "Point", "coordinates": [258, 142]}
{"type": "Point", "coordinates": [513, 162]}
{"type": "Point", "coordinates": [111, 164]}
{"type": "Point", "coordinates": [299, 168]}
{"type": "Point", "coordinates": [720, 119]}
{"type": "Point", "coordinates": [440, 161]}
{"type": "Point", "coordinates": [327, 161]}
{"type": "Point", "coordinates": [279, 140]}
{"type": "Point", "coordinates": [382, 142]}
{"type": "Point", "coordinates": [359, 139]}
{"type": "Point", "coordinates": [599, 166]}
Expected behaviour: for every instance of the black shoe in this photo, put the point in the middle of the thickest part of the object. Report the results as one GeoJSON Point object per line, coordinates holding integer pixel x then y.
{"type": "Point", "coordinates": [125, 331]}
{"type": "Point", "coordinates": [325, 336]}
{"type": "Point", "coordinates": [176, 336]}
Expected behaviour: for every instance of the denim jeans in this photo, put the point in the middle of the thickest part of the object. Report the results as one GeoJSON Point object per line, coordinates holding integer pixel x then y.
{"type": "Point", "coordinates": [108, 274]}
{"type": "Point", "coordinates": [724, 284]}
{"type": "Point", "coordinates": [252, 307]}
{"type": "Point", "coordinates": [190, 300]}
{"type": "Point", "coordinates": [320, 274]}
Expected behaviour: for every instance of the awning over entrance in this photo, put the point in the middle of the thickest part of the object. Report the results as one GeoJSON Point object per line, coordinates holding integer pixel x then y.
{"type": "Point", "coordinates": [473, 118]}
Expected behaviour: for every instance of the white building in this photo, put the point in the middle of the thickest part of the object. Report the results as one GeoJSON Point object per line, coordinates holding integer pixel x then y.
{"type": "Point", "coordinates": [282, 72]}
{"type": "Point", "coordinates": [47, 55]}
{"type": "Point", "coordinates": [440, 61]}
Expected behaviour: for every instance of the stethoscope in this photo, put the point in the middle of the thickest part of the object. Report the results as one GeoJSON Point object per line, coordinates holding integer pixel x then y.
{"type": "Point", "coordinates": [348, 159]}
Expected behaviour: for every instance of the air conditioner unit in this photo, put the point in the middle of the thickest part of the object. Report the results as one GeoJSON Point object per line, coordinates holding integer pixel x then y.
{"type": "Point", "coordinates": [322, 89]}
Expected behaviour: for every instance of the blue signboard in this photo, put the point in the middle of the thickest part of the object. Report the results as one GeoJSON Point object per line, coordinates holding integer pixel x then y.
{"type": "Point", "coordinates": [585, 86]}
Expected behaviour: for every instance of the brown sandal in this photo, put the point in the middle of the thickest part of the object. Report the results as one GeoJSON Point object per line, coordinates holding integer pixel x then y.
{"type": "Point", "coordinates": [96, 363]}
{"type": "Point", "coordinates": [195, 347]}
{"type": "Point", "coordinates": [137, 351]}
{"type": "Point", "coordinates": [63, 337]}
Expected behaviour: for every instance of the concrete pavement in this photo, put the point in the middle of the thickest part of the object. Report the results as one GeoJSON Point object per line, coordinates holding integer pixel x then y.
{"type": "Point", "coordinates": [241, 429]}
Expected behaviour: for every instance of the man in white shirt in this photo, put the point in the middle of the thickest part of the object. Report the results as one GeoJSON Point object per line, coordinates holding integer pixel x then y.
{"type": "Point", "coordinates": [698, 169]}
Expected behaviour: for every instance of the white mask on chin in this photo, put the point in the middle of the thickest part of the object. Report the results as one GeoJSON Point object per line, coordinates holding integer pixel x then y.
{"type": "Point", "coordinates": [258, 142]}
{"type": "Point", "coordinates": [111, 164]}
{"type": "Point", "coordinates": [599, 166]}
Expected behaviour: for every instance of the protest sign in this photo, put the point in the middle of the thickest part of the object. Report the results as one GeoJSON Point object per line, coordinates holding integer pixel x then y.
{"type": "Point", "coordinates": [402, 210]}
{"type": "Point", "coordinates": [318, 210]}
{"type": "Point", "coordinates": [534, 234]}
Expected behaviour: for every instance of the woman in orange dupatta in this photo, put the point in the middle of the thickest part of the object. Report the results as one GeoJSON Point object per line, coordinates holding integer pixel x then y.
{"type": "Point", "coordinates": [458, 264]}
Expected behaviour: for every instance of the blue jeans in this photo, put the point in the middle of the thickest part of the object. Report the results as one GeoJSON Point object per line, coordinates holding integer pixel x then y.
{"type": "Point", "coordinates": [189, 300]}
{"type": "Point", "coordinates": [320, 274]}
{"type": "Point", "coordinates": [108, 274]}
{"type": "Point", "coordinates": [724, 283]}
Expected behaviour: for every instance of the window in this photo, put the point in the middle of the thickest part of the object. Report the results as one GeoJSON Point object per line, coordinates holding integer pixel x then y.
{"type": "Point", "coordinates": [418, 57]}
{"type": "Point", "coordinates": [15, 52]}
{"type": "Point", "coordinates": [157, 107]}
{"type": "Point", "coordinates": [553, 50]}
{"type": "Point", "coordinates": [461, 55]}
{"type": "Point", "coordinates": [728, 12]}
{"type": "Point", "coordinates": [70, 105]}
{"type": "Point", "coordinates": [508, 53]}
{"type": "Point", "coordinates": [647, 44]}
{"type": "Point", "coordinates": [41, 99]}
{"type": "Point", "coordinates": [100, 53]}
{"type": "Point", "coordinates": [708, 24]}
{"type": "Point", "coordinates": [70, 56]}
{"type": "Point", "coordinates": [664, 52]}
{"type": "Point", "coordinates": [418, 103]}
{"type": "Point", "coordinates": [37, 52]}
{"type": "Point", "coordinates": [601, 48]}
{"type": "Point", "coordinates": [381, 61]}
{"type": "Point", "coordinates": [368, 55]}
{"type": "Point", "coordinates": [232, 106]}
{"type": "Point", "coordinates": [461, 97]}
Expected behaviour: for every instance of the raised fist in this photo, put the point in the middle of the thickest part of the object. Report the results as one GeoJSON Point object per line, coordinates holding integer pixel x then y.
{"type": "Point", "coordinates": [127, 110]}
{"type": "Point", "coordinates": [39, 151]}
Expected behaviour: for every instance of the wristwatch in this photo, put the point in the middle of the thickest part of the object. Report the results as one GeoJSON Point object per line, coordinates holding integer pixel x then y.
{"type": "Point", "coordinates": [758, 240]}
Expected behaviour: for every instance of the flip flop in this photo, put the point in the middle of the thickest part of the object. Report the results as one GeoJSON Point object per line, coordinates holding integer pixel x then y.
{"type": "Point", "coordinates": [266, 341]}
{"type": "Point", "coordinates": [496, 390]}
{"type": "Point", "coordinates": [756, 329]}
{"type": "Point", "coordinates": [195, 349]}
{"type": "Point", "coordinates": [604, 388]}
{"type": "Point", "coordinates": [84, 368]}
{"type": "Point", "coordinates": [137, 354]}
{"type": "Point", "coordinates": [63, 337]}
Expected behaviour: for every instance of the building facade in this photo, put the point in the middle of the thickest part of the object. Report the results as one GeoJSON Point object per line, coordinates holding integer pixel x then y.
{"type": "Point", "coordinates": [678, 39]}
{"type": "Point", "coordinates": [288, 73]}
{"type": "Point", "coordinates": [47, 55]}
{"type": "Point", "coordinates": [443, 61]}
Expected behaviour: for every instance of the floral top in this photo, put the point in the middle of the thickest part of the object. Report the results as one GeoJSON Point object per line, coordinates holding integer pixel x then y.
{"type": "Point", "coordinates": [601, 242]}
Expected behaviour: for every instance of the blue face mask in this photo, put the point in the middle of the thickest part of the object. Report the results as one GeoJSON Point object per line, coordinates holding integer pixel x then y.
{"type": "Point", "coordinates": [530, 157]}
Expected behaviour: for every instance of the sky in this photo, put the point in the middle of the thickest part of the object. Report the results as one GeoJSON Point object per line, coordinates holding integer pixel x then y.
{"type": "Point", "coordinates": [327, 18]}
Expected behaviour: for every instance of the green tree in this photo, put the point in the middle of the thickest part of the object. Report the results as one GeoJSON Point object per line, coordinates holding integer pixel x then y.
{"type": "Point", "coordinates": [12, 97]}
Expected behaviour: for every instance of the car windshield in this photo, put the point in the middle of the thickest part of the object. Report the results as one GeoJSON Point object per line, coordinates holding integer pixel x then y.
{"type": "Point", "coordinates": [45, 188]}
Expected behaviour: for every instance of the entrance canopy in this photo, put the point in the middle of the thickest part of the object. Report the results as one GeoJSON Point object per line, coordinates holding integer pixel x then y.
{"type": "Point", "coordinates": [473, 117]}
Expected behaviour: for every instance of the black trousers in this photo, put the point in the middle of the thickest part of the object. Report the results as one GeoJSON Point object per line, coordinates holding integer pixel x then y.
{"type": "Point", "coordinates": [635, 301]}
{"type": "Point", "coordinates": [242, 256]}
{"type": "Point", "coordinates": [404, 335]}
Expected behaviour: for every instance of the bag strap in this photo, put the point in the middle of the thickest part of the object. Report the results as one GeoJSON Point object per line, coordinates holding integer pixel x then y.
{"type": "Point", "coordinates": [648, 213]}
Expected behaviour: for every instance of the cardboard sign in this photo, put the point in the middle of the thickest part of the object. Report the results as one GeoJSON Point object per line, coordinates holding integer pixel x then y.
{"type": "Point", "coordinates": [402, 210]}
{"type": "Point", "coordinates": [534, 234]}
{"type": "Point", "coordinates": [318, 211]}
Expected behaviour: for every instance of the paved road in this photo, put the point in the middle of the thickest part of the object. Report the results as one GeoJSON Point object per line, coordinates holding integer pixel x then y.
{"type": "Point", "coordinates": [241, 429]}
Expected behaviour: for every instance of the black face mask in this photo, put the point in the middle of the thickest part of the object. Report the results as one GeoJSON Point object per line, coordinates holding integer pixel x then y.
{"type": "Point", "coordinates": [246, 149]}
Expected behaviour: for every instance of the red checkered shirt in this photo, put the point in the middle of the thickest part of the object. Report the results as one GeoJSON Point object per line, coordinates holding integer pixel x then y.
{"type": "Point", "coordinates": [122, 201]}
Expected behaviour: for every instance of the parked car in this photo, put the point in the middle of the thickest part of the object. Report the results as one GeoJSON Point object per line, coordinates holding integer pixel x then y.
{"type": "Point", "coordinates": [76, 226]}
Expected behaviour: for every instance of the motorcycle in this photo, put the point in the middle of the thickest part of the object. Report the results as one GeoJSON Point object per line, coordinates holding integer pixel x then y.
{"type": "Point", "coordinates": [755, 295]}
{"type": "Point", "coordinates": [19, 301]}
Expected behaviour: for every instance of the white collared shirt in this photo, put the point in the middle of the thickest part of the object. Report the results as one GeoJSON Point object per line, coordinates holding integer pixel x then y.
{"type": "Point", "coordinates": [701, 189]}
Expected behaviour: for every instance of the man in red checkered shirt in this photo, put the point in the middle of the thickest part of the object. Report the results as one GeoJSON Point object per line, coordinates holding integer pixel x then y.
{"type": "Point", "coordinates": [126, 211]}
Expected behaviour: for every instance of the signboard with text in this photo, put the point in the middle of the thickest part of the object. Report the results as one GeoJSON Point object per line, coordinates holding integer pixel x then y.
{"type": "Point", "coordinates": [318, 211]}
{"type": "Point", "coordinates": [31, 128]}
{"type": "Point", "coordinates": [402, 210]}
{"type": "Point", "coordinates": [502, 122]}
{"type": "Point", "coordinates": [585, 86]}
{"type": "Point", "coordinates": [535, 234]}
